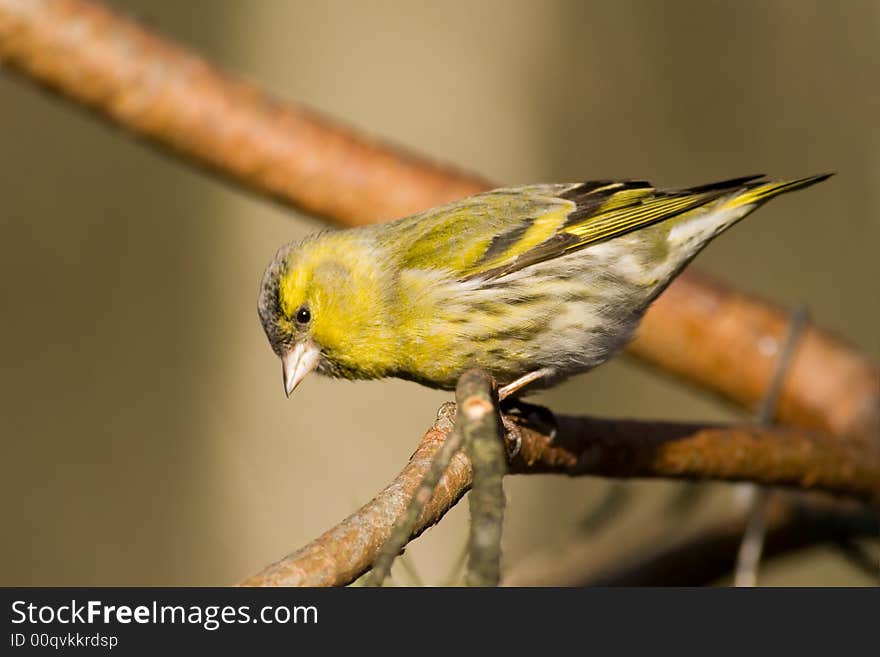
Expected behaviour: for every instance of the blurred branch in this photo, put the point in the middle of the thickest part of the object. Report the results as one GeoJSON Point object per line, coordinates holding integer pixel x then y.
{"type": "Point", "coordinates": [698, 556]}
{"type": "Point", "coordinates": [586, 446]}
{"type": "Point", "coordinates": [727, 342]}
{"type": "Point", "coordinates": [710, 556]}
{"type": "Point", "coordinates": [722, 340]}
{"type": "Point", "coordinates": [161, 92]}
{"type": "Point", "coordinates": [858, 556]}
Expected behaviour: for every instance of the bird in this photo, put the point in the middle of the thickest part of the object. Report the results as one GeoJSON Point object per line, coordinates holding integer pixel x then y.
{"type": "Point", "coordinates": [532, 284]}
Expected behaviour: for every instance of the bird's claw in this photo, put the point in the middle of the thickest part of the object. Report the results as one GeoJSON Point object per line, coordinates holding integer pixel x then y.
{"type": "Point", "coordinates": [512, 437]}
{"type": "Point", "coordinates": [534, 416]}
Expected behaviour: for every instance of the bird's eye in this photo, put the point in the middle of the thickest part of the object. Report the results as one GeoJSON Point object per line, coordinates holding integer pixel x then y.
{"type": "Point", "coordinates": [303, 316]}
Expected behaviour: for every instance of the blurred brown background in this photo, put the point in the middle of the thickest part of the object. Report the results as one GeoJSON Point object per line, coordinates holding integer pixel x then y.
{"type": "Point", "coordinates": [146, 439]}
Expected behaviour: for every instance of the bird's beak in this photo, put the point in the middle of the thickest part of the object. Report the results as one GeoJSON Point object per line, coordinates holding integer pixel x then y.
{"type": "Point", "coordinates": [298, 362]}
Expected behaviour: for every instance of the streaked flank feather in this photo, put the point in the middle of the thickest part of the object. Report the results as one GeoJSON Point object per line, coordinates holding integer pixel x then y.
{"type": "Point", "coordinates": [550, 277]}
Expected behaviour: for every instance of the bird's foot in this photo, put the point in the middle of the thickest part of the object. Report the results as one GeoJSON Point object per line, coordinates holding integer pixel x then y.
{"type": "Point", "coordinates": [516, 413]}
{"type": "Point", "coordinates": [512, 437]}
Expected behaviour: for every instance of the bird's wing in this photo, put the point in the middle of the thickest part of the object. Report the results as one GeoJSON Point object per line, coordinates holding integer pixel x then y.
{"type": "Point", "coordinates": [494, 234]}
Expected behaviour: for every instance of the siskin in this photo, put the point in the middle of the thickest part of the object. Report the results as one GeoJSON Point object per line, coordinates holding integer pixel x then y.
{"type": "Point", "coordinates": [532, 284]}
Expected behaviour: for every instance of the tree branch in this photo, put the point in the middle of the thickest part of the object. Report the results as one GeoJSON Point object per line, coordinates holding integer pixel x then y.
{"type": "Point", "coordinates": [771, 456]}
{"type": "Point", "coordinates": [698, 329]}
{"type": "Point", "coordinates": [709, 556]}
{"type": "Point", "coordinates": [695, 556]}
{"type": "Point", "coordinates": [587, 446]}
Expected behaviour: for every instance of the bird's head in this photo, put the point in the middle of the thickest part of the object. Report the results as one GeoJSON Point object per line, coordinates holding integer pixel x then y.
{"type": "Point", "coordinates": [321, 305]}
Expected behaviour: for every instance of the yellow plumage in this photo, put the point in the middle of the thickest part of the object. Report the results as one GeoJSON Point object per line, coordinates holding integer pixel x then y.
{"type": "Point", "coordinates": [544, 278]}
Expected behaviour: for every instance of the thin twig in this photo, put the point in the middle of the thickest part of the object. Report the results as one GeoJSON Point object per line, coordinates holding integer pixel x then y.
{"type": "Point", "coordinates": [752, 545]}
{"type": "Point", "coordinates": [749, 555]}
{"type": "Point", "coordinates": [698, 329]}
{"type": "Point", "coordinates": [480, 424]}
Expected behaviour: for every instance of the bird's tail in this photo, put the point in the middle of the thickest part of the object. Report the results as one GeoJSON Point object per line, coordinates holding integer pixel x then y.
{"type": "Point", "coordinates": [758, 192]}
